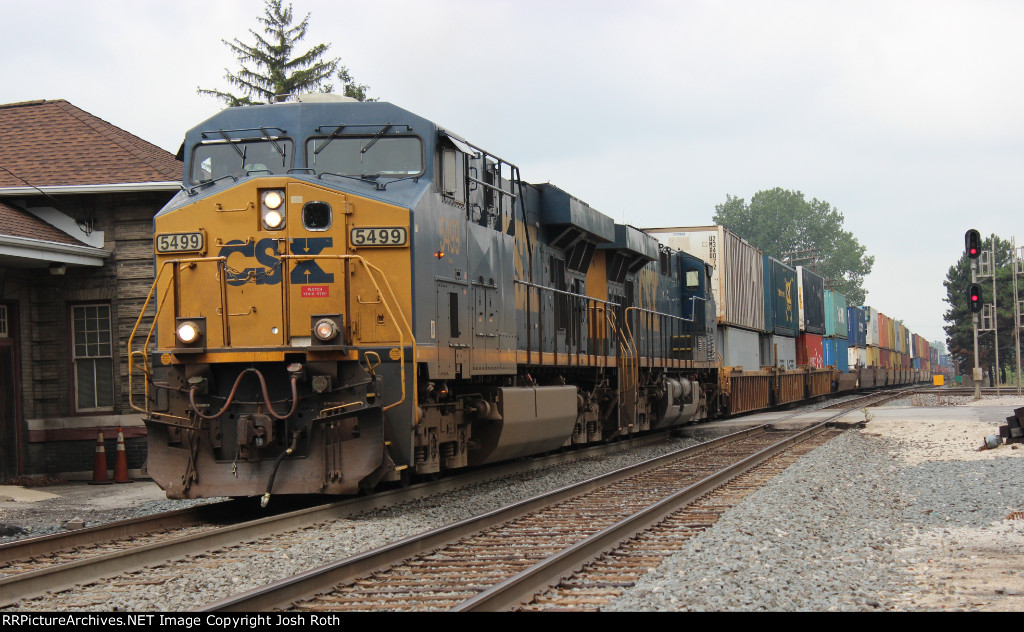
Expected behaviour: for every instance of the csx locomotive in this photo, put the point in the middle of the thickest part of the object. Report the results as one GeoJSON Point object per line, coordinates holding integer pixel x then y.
{"type": "Point", "coordinates": [348, 294]}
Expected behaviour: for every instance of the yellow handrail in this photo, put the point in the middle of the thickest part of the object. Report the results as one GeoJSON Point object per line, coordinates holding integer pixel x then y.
{"type": "Point", "coordinates": [149, 335]}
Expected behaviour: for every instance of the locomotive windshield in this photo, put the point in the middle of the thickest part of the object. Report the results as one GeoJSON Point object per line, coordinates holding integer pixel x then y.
{"type": "Point", "coordinates": [366, 156]}
{"type": "Point", "coordinates": [238, 158]}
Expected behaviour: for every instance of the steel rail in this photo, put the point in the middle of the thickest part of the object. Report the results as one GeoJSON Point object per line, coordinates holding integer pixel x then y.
{"type": "Point", "coordinates": [27, 585]}
{"type": "Point", "coordinates": [282, 593]}
{"type": "Point", "coordinates": [55, 542]}
{"type": "Point", "coordinates": [524, 585]}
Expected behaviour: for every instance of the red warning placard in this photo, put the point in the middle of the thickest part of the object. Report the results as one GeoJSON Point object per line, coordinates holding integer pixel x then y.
{"type": "Point", "coordinates": [316, 291]}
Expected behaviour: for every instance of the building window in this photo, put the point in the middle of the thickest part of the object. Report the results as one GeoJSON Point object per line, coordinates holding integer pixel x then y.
{"type": "Point", "coordinates": [3, 322]}
{"type": "Point", "coordinates": [93, 357]}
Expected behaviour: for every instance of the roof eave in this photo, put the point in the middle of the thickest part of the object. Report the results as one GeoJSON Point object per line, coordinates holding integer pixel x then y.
{"type": "Point", "coordinates": [127, 187]}
{"type": "Point", "coordinates": [39, 250]}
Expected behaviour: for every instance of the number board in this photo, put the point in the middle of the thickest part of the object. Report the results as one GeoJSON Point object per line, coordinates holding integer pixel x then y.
{"type": "Point", "coordinates": [181, 242]}
{"type": "Point", "coordinates": [368, 236]}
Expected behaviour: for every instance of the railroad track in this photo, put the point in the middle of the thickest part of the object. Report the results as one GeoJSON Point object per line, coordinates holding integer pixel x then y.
{"type": "Point", "coordinates": [31, 569]}
{"type": "Point", "coordinates": [876, 398]}
{"type": "Point", "coordinates": [502, 559]}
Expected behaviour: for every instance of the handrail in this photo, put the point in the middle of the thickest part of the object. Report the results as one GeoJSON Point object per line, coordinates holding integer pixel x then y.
{"type": "Point", "coordinates": [149, 335]}
{"type": "Point", "coordinates": [373, 272]}
{"type": "Point", "coordinates": [370, 268]}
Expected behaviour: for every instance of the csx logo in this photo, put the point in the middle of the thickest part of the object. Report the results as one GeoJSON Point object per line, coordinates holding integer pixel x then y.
{"type": "Point", "coordinates": [265, 253]}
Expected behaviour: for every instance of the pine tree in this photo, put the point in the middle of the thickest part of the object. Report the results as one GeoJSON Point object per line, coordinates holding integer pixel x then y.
{"type": "Point", "coordinates": [274, 72]}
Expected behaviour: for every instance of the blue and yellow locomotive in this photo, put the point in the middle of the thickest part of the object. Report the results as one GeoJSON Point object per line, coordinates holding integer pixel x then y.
{"type": "Point", "coordinates": [349, 294]}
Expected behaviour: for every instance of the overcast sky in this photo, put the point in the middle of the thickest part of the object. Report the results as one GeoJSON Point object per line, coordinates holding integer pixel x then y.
{"type": "Point", "coordinates": [905, 115]}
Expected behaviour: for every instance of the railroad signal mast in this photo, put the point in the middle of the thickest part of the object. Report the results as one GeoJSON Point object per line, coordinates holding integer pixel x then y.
{"type": "Point", "coordinates": [972, 243]}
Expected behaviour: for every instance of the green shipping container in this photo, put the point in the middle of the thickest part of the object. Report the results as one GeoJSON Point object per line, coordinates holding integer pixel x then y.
{"type": "Point", "coordinates": [835, 315]}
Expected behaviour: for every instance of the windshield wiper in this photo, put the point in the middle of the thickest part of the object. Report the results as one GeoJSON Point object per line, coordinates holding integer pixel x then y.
{"type": "Point", "coordinates": [273, 142]}
{"type": "Point", "coordinates": [335, 134]}
{"type": "Point", "coordinates": [233, 144]}
{"type": "Point", "coordinates": [376, 137]}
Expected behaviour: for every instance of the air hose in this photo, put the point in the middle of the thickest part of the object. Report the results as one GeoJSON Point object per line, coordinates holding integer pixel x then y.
{"type": "Point", "coordinates": [270, 484]}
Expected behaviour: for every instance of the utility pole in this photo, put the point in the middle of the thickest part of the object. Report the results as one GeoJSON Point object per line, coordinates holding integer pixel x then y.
{"type": "Point", "coordinates": [810, 254]}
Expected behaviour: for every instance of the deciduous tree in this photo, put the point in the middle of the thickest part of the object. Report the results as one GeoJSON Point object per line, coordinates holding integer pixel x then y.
{"type": "Point", "coordinates": [786, 226]}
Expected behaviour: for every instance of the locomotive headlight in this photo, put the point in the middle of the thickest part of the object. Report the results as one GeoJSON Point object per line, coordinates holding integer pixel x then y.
{"type": "Point", "coordinates": [273, 219]}
{"type": "Point", "coordinates": [273, 199]}
{"type": "Point", "coordinates": [188, 332]}
{"type": "Point", "coordinates": [272, 206]}
{"type": "Point", "coordinates": [325, 329]}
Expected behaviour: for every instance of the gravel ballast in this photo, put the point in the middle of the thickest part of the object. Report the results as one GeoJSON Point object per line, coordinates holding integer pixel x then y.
{"type": "Point", "coordinates": [905, 514]}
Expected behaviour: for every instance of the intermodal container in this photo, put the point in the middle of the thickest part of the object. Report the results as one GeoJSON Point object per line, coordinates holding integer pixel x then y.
{"type": "Point", "coordinates": [856, 357]}
{"type": "Point", "coordinates": [874, 356]}
{"type": "Point", "coordinates": [779, 351]}
{"type": "Point", "coordinates": [809, 350]}
{"type": "Point", "coordinates": [740, 348]}
{"type": "Point", "coordinates": [885, 358]}
{"type": "Point", "coordinates": [834, 353]}
{"type": "Point", "coordinates": [781, 313]}
{"type": "Point", "coordinates": [870, 326]}
{"type": "Point", "coordinates": [855, 327]}
{"type": "Point", "coordinates": [737, 281]}
{"type": "Point", "coordinates": [884, 329]}
{"type": "Point", "coordinates": [811, 289]}
{"type": "Point", "coordinates": [835, 315]}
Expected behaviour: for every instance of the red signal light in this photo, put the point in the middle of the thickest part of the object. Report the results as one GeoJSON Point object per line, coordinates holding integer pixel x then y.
{"type": "Point", "coordinates": [972, 240]}
{"type": "Point", "coordinates": [974, 294]}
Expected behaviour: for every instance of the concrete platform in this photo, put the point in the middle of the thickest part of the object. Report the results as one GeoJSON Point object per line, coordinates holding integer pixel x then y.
{"type": "Point", "coordinates": [89, 496]}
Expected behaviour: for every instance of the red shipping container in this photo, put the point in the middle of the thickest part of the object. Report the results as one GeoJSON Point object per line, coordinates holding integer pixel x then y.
{"type": "Point", "coordinates": [809, 351]}
{"type": "Point", "coordinates": [883, 358]}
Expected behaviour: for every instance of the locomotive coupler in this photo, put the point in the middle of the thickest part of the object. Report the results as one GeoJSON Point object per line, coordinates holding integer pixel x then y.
{"type": "Point", "coordinates": [254, 432]}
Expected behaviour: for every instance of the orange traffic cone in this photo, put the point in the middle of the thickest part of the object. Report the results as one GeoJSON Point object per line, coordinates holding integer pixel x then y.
{"type": "Point", "coordinates": [99, 470]}
{"type": "Point", "coordinates": [121, 461]}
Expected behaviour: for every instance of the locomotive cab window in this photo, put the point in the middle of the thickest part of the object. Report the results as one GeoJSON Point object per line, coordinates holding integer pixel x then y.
{"type": "Point", "coordinates": [453, 174]}
{"type": "Point", "coordinates": [366, 156]}
{"type": "Point", "coordinates": [692, 279]}
{"type": "Point", "coordinates": [239, 158]}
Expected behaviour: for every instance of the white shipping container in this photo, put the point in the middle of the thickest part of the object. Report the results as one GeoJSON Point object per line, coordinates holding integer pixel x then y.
{"type": "Point", "coordinates": [740, 348]}
{"type": "Point", "coordinates": [871, 326]}
{"type": "Point", "coordinates": [855, 355]}
{"type": "Point", "coordinates": [737, 282]}
{"type": "Point", "coordinates": [778, 350]}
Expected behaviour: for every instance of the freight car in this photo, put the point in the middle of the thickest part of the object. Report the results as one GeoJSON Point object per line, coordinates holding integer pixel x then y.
{"type": "Point", "coordinates": [348, 294]}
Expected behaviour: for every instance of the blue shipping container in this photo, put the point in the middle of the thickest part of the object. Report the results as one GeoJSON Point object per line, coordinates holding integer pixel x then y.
{"type": "Point", "coordinates": [855, 324]}
{"type": "Point", "coordinates": [834, 351]}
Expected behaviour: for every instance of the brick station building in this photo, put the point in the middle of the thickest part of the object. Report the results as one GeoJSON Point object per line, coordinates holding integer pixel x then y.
{"type": "Point", "coordinates": [77, 200]}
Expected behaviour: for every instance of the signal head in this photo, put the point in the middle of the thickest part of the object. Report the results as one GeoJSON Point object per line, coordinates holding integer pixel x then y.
{"type": "Point", "coordinates": [974, 297]}
{"type": "Point", "coordinates": [972, 243]}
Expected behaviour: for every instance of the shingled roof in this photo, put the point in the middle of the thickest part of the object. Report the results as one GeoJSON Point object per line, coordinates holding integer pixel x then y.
{"type": "Point", "coordinates": [54, 143]}
{"type": "Point", "coordinates": [18, 223]}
